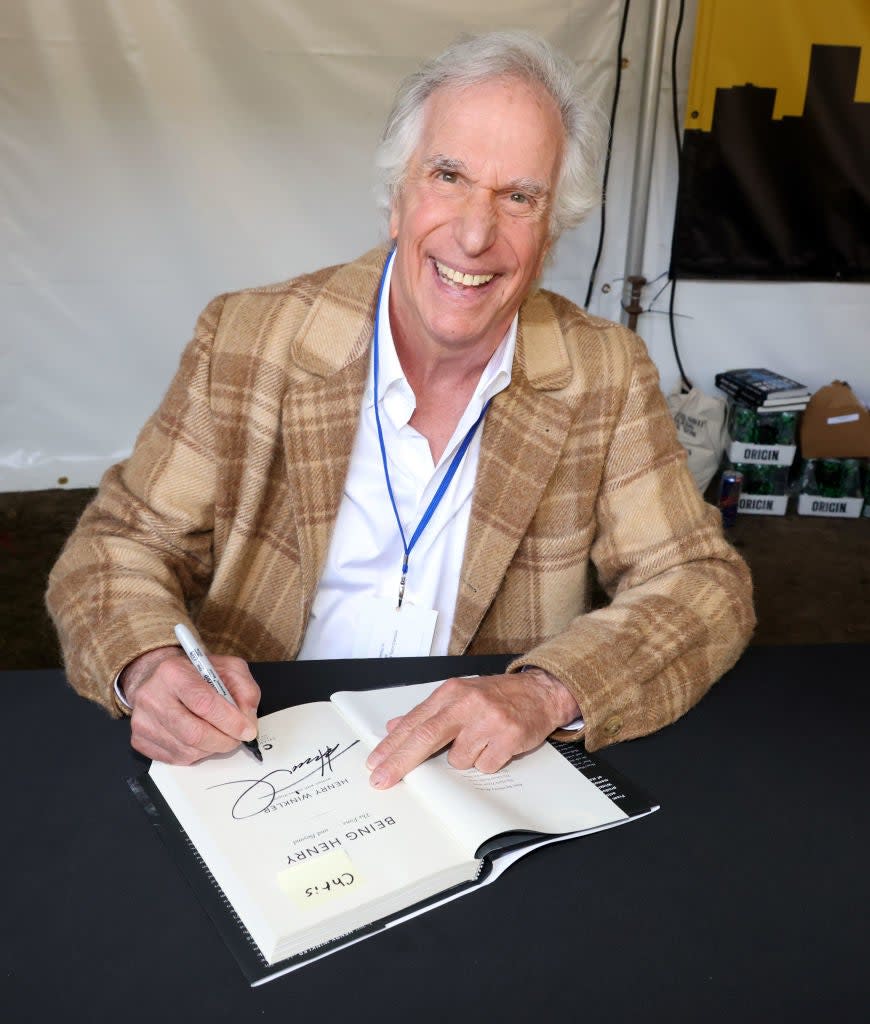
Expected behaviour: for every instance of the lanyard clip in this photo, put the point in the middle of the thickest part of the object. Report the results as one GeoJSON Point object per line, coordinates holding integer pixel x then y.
{"type": "Point", "coordinates": [401, 590]}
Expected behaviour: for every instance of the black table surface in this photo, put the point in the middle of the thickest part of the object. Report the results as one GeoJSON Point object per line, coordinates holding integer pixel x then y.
{"type": "Point", "coordinates": [745, 898]}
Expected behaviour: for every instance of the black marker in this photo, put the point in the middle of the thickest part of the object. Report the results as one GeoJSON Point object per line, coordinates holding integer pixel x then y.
{"type": "Point", "coordinates": [205, 668]}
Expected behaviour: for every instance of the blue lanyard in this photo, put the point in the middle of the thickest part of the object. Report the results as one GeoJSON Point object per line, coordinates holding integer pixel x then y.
{"type": "Point", "coordinates": [451, 470]}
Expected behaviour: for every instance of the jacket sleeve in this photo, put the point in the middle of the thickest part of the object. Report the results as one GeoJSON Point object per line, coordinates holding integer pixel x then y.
{"type": "Point", "coordinates": [142, 550]}
{"type": "Point", "coordinates": [681, 608]}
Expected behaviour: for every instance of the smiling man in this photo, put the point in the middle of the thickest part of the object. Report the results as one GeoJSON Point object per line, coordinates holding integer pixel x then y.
{"type": "Point", "coordinates": [419, 452]}
{"type": "Point", "coordinates": [472, 219]}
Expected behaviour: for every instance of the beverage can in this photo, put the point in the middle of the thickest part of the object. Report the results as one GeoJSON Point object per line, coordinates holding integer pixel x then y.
{"type": "Point", "coordinates": [730, 485]}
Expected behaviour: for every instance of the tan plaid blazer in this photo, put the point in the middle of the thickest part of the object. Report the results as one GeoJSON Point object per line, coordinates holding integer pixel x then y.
{"type": "Point", "coordinates": [223, 513]}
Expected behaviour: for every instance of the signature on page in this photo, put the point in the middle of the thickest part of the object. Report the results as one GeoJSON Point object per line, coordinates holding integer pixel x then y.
{"type": "Point", "coordinates": [258, 795]}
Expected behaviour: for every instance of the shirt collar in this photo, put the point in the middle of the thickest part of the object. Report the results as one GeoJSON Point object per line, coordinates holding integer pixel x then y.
{"type": "Point", "coordinates": [496, 375]}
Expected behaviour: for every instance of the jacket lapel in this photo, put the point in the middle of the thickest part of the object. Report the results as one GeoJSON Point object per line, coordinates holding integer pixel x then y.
{"type": "Point", "coordinates": [320, 412]}
{"type": "Point", "coordinates": [319, 423]}
{"type": "Point", "coordinates": [523, 434]}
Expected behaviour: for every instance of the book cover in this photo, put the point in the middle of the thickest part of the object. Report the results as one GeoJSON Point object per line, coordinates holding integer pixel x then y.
{"type": "Point", "coordinates": [760, 383]}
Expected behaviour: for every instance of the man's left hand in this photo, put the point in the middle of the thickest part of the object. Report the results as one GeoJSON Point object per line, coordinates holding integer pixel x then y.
{"type": "Point", "coordinates": [486, 720]}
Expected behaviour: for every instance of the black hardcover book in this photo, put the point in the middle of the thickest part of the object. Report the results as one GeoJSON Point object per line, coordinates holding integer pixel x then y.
{"type": "Point", "coordinates": [773, 402]}
{"type": "Point", "coordinates": [759, 385]}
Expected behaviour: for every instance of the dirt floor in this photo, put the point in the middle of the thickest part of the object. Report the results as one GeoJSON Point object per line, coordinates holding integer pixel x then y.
{"type": "Point", "coordinates": [812, 576]}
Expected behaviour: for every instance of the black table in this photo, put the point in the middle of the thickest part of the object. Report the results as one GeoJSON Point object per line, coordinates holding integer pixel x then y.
{"type": "Point", "coordinates": [745, 898]}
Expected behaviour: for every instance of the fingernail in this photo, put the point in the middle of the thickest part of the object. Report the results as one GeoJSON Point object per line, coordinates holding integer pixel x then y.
{"type": "Point", "coordinates": [249, 734]}
{"type": "Point", "coordinates": [378, 779]}
{"type": "Point", "coordinates": [373, 760]}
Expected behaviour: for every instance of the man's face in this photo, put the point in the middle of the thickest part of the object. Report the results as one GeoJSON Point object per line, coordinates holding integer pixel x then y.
{"type": "Point", "coordinates": [472, 219]}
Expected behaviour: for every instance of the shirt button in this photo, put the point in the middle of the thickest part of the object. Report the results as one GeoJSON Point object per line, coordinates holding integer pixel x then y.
{"type": "Point", "coordinates": [612, 726]}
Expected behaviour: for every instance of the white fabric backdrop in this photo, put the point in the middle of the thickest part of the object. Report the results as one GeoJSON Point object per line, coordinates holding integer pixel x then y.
{"type": "Point", "coordinates": [154, 153]}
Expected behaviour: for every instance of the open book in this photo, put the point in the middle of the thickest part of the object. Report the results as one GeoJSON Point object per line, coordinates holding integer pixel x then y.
{"type": "Point", "coordinates": [300, 855]}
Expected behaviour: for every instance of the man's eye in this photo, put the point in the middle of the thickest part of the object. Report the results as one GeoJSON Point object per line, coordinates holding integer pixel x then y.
{"type": "Point", "coordinates": [447, 176]}
{"type": "Point", "coordinates": [519, 197]}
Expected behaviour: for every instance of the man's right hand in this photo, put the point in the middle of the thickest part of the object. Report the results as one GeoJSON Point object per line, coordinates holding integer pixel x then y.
{"type": "Point", "coordinates": [177, 717]}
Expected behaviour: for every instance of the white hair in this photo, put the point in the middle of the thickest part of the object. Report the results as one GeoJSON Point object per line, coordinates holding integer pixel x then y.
{"type": "Point", "coordinates": [506, 54]}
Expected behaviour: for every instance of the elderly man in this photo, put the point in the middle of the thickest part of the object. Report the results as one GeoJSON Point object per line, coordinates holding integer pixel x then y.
{"type": "Point", "coordinates": [417, 453]}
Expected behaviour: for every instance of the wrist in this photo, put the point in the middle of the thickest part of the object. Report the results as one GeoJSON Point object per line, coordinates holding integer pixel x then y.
{"type": "Point", "coordinates": [565, 707]}
{"type": "Point", "coordinates": [140, 668]}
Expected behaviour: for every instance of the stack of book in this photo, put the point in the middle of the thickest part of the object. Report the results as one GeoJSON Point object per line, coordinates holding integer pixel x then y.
{"type": "Point", "coordinates": [764, 407]}
{"type": "Point", "coordinates": [763, 389]}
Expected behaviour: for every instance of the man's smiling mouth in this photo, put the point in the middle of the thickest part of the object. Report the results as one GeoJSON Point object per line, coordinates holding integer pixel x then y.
{"type": "Point", "coordinates": [457, 277]}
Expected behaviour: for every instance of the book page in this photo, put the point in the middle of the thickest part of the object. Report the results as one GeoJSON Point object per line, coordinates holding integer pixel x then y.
{"type": "Point", "coordinates": [538, 791]}
{"type": "Point", "coordinates": [302, 838]}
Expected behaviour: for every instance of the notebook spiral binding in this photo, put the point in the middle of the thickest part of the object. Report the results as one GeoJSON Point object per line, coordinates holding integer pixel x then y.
{"type": "Point", "coordinates": [225, 903]}
{"type": "Point", "coordinates": [165, 823]}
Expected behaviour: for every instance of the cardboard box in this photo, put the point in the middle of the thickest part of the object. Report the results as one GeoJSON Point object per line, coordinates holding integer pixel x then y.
{"type": "Point", "coordinates": [765, 489]}
{"type": "Point", "coordinates": [762, 504]}
{"type": "Point", "coordinates": [762, 454]}
{"type": "Point", "coordinates": [837, 508]}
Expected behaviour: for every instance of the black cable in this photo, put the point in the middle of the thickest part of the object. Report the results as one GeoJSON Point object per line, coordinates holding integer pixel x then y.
{"type": "Point", "coordinates": [687, 384]}
{"type": "Point", "coordinates": [655, 297]}
{"type": "Point", "coordinates": [609, 151]}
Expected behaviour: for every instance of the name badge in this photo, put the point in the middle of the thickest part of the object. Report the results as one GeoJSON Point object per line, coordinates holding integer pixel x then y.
{"type": "Point", "coordinates": [384, 631]}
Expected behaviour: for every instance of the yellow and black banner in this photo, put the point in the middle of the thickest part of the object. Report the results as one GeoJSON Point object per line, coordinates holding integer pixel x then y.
{"type": "Point", "coordinates": [775, 168]}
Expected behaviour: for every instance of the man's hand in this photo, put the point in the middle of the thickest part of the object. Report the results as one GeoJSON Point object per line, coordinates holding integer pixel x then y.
{"type": "Point", "coordinates": [179, 718]}
{"type": "Point", "coordinates": [487, 721]}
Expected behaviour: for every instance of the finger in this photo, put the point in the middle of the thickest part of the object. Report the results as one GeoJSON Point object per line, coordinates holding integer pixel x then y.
{"type": "Point", "coordinates": [398, 732]}
{"type": "Point", "coordinates": [204, 702]}
{"type": "Point", "coordinates": [213, 714]}
{"type": "Point", "coordinates": [153, 734]}
{"type": "Point", "coordinates": [180, 713]}
{"type": "Point", "coordinates": [401, 728]}
{"type": "Point", "coordinates": [432, 735]}
{"type": "Point", "coordinates": [493, 758]}
{"type": "Point", "coordinates": [170, 724]}
{"type": "Point", "coordinates": [475, 749]}
{"type": "Point", "coordinates": [465, 751]}
{"type": "Point", "coordinates": [238, 679]}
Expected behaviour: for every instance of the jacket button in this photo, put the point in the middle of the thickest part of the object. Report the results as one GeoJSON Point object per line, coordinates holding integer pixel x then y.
{"type": "Point", "coordinates": [612, 726]}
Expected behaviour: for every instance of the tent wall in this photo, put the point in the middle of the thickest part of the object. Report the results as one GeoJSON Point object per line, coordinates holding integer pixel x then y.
{"type": "Point", "coordinates": [153, 155]}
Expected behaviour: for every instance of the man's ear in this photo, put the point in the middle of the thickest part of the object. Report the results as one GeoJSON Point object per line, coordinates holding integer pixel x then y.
{"type": "Point", "coordinates": [394, 219]}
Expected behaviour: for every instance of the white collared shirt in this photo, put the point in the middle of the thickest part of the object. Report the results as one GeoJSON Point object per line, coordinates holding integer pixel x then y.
{"type": "Point", "coordinates": [365, 554]}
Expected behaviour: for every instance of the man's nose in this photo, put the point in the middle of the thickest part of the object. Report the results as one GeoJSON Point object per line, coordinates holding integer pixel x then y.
{"type": "Point", "coordinates": [476, 225]}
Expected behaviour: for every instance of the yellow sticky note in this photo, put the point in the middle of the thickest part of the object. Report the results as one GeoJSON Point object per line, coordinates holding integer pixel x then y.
{"type": "Point", "coordinates": [320, 880]}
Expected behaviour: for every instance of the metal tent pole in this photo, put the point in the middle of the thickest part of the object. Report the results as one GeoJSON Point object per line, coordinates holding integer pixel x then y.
{"type": "Point", "coordinates": [634, 280]}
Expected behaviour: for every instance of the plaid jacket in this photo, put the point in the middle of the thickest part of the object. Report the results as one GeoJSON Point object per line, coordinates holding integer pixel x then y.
{"type": "Point", "coordinates": [223, 512]}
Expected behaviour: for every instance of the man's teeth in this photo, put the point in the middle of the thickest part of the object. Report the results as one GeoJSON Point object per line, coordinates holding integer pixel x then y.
{"type": "Point", "coordinates": [457, 277]}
